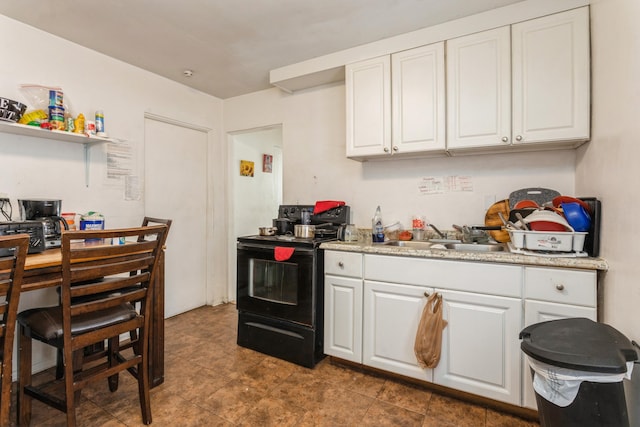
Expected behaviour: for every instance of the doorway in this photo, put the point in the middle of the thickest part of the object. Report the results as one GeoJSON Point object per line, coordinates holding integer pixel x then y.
{"type": "Point", "coordinates": [256, 198]}
{"type": "Point", "coordinates": [176, 187]}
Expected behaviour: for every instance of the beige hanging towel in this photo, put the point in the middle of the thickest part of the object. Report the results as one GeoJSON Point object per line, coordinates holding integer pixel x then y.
{"type": "Point", "coordinates": [429, 336]}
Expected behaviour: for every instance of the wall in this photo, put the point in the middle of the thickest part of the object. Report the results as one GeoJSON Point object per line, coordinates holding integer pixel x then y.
{"type": "Point", "coordinates": [33, 167]}
{"type": "Point", "coordinates": [608, 165]}
{"type": "Point", "coordinates": [315, 166]}
{"type": "Point", "coordinates": [256, 198]}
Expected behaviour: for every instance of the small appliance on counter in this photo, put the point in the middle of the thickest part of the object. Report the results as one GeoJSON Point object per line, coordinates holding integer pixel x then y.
{"type": "Point", "coordinates": [48, 212]}
{"type": "Point", "coordinates": [34, 229]}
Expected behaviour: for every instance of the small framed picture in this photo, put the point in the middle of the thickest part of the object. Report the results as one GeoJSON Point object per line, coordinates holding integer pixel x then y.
{"type": "Point", "coordinates": [246, 168]}
{"type": "Point", "coordinates": [267, 163]}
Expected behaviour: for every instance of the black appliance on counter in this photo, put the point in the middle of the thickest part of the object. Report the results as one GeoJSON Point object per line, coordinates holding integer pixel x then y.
{"type": "Point", "coordinates": [48, 213]}
{"type": "Point", "coordinates": [35, 230]}
{"type": "Point", "coordinates": [280, 288]}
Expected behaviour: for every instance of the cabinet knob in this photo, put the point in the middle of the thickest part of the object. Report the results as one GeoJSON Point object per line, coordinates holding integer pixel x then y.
{"type": "Point", "coordinates": [340, 264]}
{"type": "Point", "coordinates": [386, 149]}
{"type": "Point", "coordinates": [395, 148]}
{"type": "Point", "coordinates": [519, 138]}
{"type": "Point", "coordinates": [560, 287]}
{"type": "Point", "coordinates": [505, 139]}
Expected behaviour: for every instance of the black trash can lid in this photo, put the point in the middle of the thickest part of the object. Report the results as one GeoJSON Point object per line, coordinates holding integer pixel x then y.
{"type": "Point", "coordinates": [579, 344]}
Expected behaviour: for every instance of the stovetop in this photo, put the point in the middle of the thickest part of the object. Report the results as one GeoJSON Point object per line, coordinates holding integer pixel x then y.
{"type": "Point", "coordinates": [285, 240]}
{"type": "Point", "coordinates": [328, 220]}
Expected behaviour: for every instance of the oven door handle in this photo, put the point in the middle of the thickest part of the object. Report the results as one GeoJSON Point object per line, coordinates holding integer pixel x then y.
{"type": "Point", "coordinates": [265, 248]}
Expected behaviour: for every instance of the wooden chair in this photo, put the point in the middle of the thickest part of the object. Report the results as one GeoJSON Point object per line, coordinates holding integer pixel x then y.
{"type": "Point", "coordinates": [97, 351]}
{"type": "Point", "coordinates": [106, 291]}
{"type": "Point", "coordinates": [13, 252]}
{"type": "Point", "coordinates": [147, 220]}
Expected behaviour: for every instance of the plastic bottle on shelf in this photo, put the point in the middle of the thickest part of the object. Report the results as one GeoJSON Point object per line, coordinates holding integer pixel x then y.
{"type": "Point", "coordinates": [377, 229]}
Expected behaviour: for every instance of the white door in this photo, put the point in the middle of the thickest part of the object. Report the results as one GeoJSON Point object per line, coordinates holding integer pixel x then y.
{"type": "Point", "coordinates": [368, 86]}
{"type": "Point", "coordinates": [392, 314]}
{"type": "Point", "coordinates": [343, 317]}
{"type": "Point", "coordinates": [479, 89]}
{"type": "Point", "coordinates": [480, 345]}
{"type": "Point", "coordinates": [551, 78]}
{"type": "Point", "coordinates": [176, 188]}
{"type": "Point", "coordinates": [417, 90]}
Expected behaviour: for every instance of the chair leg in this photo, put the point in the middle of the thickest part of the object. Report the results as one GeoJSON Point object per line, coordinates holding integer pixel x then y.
{"type": "Point", "coordinates": [112, 351]}
{"type": "Point", "coordinates": [24, 378]}
{"type": "Point", "coordinates": [143, 379]}
{"type": "Point", "coordinates": [72, 362]}
{"type": "Point", "coordinates": [59, 364]}
{"type": "Point", "coordinates": [5, 399]}
{"type": "Point", "coordinates": [78, 362]}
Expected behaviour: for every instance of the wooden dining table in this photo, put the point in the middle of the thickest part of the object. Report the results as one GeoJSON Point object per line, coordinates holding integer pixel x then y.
{"type": "Point", "coordinates": [44, 270]}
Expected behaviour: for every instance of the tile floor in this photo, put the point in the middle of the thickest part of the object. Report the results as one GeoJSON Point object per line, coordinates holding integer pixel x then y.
{"type": "Point", "coordinates": [210, 381]}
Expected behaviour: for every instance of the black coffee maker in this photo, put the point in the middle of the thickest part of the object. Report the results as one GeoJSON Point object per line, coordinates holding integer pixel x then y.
{"type": "Point", "coordinates": [48, 212]}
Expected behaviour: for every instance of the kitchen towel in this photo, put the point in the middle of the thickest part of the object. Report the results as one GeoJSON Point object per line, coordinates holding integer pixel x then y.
{"type": "Point", "coordinates": [325, 205]}
{"type": "Point", "coordinates": [281, 253]}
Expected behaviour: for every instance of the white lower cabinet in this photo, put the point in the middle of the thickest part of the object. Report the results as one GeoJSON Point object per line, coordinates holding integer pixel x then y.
{"type": "Point", "coordinates": [343, 318]}
{"type": "Point", "coordinates": [480, 345]}
{"type": "Point", "coordinates": [373, 305]}
{"type": "Point", "coordinates": [553, 294]}
{"type": "Point", "coordinates": [343, 305]}
{"type": "Point", "coordinates": [391, 314]}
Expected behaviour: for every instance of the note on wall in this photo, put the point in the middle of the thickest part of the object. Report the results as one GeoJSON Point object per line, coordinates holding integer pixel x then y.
{"type": "Point", "coordinates": [447, 184]}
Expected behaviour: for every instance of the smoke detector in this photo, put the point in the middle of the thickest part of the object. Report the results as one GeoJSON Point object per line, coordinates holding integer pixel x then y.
{"type": "Point", "coordinates": [187, 73]}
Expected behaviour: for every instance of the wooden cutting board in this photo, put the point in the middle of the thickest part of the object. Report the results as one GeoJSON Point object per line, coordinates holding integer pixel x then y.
{"type": "Point", "coordinates": [492, 218]}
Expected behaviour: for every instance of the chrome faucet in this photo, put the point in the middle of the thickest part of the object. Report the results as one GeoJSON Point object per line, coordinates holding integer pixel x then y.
{"type": "Point", "coordinates": [442, 236]}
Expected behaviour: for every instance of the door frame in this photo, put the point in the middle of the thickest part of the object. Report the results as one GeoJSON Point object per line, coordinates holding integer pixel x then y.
{"type": "Point", "coordinates": [209, 221]}
{"type": "Point", "coordinates": [231, 223]}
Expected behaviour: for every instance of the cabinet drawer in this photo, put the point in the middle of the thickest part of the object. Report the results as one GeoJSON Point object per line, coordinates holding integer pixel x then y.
{"type": "Point", "coordinates": [562, 286]}
{"type": "Point", "coordinates": [487, 278]}
{"type": "Point", "coordinates": [343, 263]}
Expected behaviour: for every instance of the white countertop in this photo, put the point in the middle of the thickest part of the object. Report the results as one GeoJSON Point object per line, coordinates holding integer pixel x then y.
{"type": "Point", "coordinates": [505, 257]}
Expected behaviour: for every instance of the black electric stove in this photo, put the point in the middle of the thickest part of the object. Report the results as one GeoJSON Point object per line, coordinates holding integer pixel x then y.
{"type": "Point", "coordinates": [280, 288]}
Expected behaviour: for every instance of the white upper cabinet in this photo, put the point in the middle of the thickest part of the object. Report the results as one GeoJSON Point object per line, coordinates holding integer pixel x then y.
{"type": "Point", "coordinates": [523, 87]}
{"type": "Point", "coordinates": [551, 78]}
{"type": "Point", "coordinates": [396, 104]}
{"type": "Point", "coordinates": [418, 93]}
{"type": "Point", "coordinates": [519, 85]}
{"type": "Point", "coordinates": [479, 89]}
{"type": "Point", "coordinates": [368, 85]}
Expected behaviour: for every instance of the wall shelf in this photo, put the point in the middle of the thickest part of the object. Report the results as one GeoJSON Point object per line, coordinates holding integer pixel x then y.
{"type": "Point", "coordinates": [76, 138]}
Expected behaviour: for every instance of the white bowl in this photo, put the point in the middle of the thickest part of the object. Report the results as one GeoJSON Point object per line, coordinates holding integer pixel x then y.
{"type": "Point", "coordinates": [547, 216]}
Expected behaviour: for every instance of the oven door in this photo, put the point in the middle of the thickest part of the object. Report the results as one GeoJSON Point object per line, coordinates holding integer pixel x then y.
{"type": "Point", "coordinates": [280, 289]}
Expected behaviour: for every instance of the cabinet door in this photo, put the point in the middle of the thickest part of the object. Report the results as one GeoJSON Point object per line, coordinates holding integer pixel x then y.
{"type": "Point", "coordinates": [368, 87]}
{"type": "Point", "coordinates": [479, 89]}
{"type": "Point", "coordinates": [418, 107]}
{"type": "Point", "coordinates": [551, 78]}
{"type": "Point", "coordinates": [391, 316]}
{"type": "Point", "coordinates": [536, 312]}
{"type": "Point", "coordinates": [480, 345]}
{"type": "Point", "coordinates": [343, 317]}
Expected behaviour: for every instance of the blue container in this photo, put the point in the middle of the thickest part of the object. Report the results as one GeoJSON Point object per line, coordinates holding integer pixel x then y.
{"type": "Point", "coordinates": [92, 224]}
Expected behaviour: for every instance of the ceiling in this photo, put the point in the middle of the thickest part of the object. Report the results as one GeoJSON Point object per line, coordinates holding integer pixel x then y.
{"type": "Point", "coordinates": [231, 45]}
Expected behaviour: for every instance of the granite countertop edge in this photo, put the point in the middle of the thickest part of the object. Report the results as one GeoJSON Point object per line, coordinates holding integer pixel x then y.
{"type": "Point", "coordinates": [494, 257]}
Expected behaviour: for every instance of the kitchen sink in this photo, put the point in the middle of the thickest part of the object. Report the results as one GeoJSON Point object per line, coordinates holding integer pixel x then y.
{"type": "Point", "coordinates": [409, 244]}
{"type": "Point", "coordinates": [475, 247]}
{"type": "Point", "coordinates": [451, 246]}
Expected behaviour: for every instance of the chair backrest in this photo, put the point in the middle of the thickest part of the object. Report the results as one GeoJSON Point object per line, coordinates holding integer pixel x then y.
{"type": "Point", "coordinates": [98, 275]}
{"type": "Point", "coordinates": [147, 220]}
{"type": "Point", "coordinates": [14, 252]}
